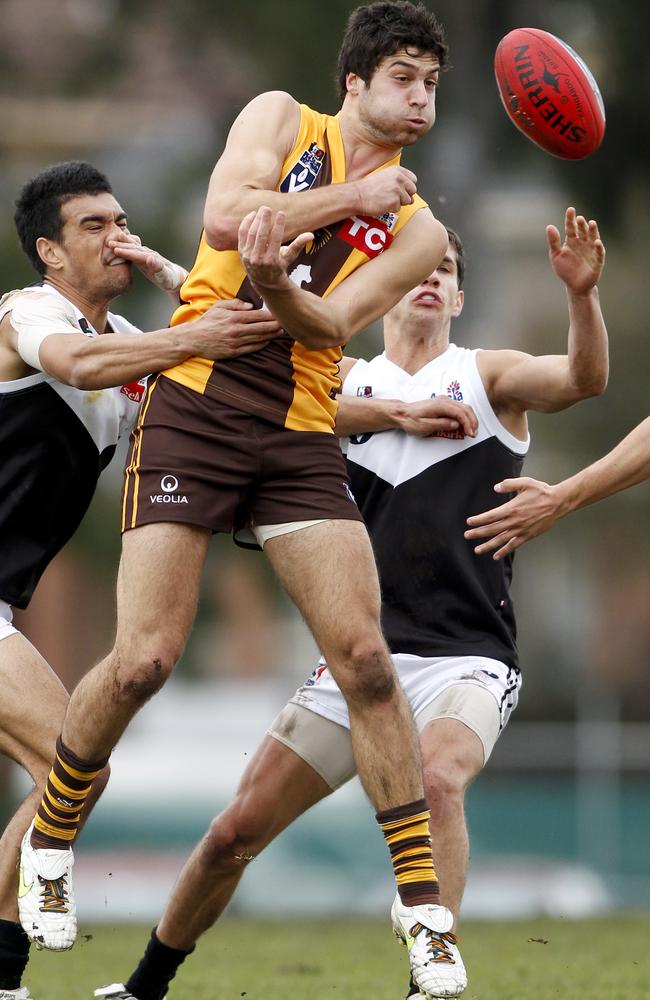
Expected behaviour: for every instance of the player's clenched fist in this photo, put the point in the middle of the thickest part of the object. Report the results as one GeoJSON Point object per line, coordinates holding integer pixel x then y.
{"type": "Point", "coordinates": [386, 191]}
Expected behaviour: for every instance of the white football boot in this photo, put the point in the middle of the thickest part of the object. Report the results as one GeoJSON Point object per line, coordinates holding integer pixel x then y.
{"type": "Point", "coordinates": [46, 904]}
{"type": "Point", "coordinates": [22, 993]}
{"type": "Point", "coordinates": [436, 966]}
{"type": "Point", "coordinates": [117, 991]}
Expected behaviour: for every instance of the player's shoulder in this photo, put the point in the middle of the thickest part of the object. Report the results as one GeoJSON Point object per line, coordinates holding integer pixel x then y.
{"type": "Point", "coordinates": [38, 302]}
{"type": "Point", "coordinates": [499, 359]}
{"type": "Point", "coordinates": [274, 113]}
{"type": "Point", "coordinates": [493, 365]}
{"type": "Point", "coordinates": [273, 102]}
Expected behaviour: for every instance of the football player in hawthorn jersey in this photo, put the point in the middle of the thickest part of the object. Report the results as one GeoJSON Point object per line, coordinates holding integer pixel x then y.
{"type": "Point", "coordinates": [429, 426]}
{"type": "Point", "coordinates": [251, 443]}
{"type": "Point", "coordinates": [71, 378]}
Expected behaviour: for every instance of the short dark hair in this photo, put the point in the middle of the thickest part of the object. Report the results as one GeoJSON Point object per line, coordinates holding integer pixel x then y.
{"type": "Point", "coordinates": [456, 242]}
{"type": "Point", "coordinates": [377, 30]}
{"type": "Point", "coordinates": [38, 206]}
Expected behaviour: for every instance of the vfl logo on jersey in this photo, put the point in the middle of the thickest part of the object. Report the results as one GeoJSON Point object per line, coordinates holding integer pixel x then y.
{"type": "Point", "coordinates": [134, 390]}
{"type": "Point", "coordinates": [366, 234]}
{"type": "Point", "coordinates": [454, 391]}
{"type": "Point", "coordinates": [303, 174]}
{"type": "Point", "coordinates": [364, 390]}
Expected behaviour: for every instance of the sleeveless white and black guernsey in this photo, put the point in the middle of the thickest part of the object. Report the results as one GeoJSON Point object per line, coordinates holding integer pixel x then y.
{"type": "Point", "coordinates": [54, 443]}
{"type": "Point", "coordinates": [438, 597]}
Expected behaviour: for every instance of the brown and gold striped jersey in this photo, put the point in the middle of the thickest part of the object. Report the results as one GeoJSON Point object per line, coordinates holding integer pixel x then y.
{"type": "Point", "coordinates": [285, 383]}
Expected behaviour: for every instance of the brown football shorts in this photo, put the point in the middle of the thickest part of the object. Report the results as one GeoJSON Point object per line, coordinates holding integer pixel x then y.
{"type": "Point", "coordinates": [196, 460]}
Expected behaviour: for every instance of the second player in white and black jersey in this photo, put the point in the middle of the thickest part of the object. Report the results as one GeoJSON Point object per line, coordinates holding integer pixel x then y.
{"type": "Point", "coordinates": [55, 440]}
{"type": "Point", "coordinates": [71, 377]}
{"type": "Point", "coordinates": [438, 599]}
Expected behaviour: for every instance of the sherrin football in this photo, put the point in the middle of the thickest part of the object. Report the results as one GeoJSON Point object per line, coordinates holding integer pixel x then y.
{"type": "Point", "coordinates": [549, 93]}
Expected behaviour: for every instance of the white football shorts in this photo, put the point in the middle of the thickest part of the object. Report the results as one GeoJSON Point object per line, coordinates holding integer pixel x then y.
{"type": "Point", "coordinates": [477, 691]}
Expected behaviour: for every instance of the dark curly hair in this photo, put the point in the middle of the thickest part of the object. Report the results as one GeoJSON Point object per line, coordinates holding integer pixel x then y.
{"type": "Point", "coordinates": [38, 206]}
{"type": "Point", "coordinates": [377, 30]}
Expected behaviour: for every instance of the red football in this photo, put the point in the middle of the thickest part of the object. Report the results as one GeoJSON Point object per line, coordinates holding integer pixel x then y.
{"type": "Point", "coordinates": [549, 93]}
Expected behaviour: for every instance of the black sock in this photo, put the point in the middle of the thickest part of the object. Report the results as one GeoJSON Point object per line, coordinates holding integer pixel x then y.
{"type": "Point", "coordinates": [14, 954]}
{"type": "Point", "coordinates": [157, 968]}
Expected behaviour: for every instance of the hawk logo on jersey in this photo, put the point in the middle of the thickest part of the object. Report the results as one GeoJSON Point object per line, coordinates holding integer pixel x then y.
{"type": "Point", "coordinates": [303, 174]}
{"type": "Point", "coordinates": [134, 390]}
{"type": "Point", "coordinates": [370, 236]}
{"type": "Point", "coordinates": [321, 237]}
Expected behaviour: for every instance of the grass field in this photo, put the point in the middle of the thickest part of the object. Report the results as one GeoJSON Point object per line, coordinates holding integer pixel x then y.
{"type": "Point", "coordinates": [359, 960]}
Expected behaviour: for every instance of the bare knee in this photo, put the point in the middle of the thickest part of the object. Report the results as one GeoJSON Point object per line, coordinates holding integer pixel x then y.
{"type": "Point", "coordinates": [141, 669]}
{"type": "Point", "coordinates": [234, 838]}
{"type": "Point", "coordinates": [445, 783]}
{"type": "Point", "coordinates": [366, 673]}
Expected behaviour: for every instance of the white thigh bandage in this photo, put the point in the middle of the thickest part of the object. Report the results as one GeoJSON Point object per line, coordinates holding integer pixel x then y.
{"type": "Point", "coordinates": [263, 532]}
{"type": "Point", "coordinates": [478, 691]}
{"type": "Point", "coordinates": [6, 615]}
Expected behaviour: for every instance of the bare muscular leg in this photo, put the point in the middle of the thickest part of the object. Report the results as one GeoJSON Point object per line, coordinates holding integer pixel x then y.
{"type": "Point", "coordinates": [329, 572]}
{"type": "Point", "coordinates": [157, 591]}
{"type": "Point", "coordinates": [32, 707]}
{"type": "Point", "coordinates": [452, 756]}
{"type": "Point", "coordinates": [277, 787]}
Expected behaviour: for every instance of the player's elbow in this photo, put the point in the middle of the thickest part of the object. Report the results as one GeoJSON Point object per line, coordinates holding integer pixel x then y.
{"type": "Point", "coordinates": [83, 369]}
{"type": "Point", "coordinates": [221, 222]}
{"type": "Point", "coordinates": [79, 376]}
{"type": "Point", "coordinates": [221, 233]}
{"type": "Point", "coordinates": [591, 384]}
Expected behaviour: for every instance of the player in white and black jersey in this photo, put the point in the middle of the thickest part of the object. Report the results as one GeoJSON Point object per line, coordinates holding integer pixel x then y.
{"type": "Point", "coordinates": [431, 426]}
{"type": "Point", "coordinates": [71, 377]}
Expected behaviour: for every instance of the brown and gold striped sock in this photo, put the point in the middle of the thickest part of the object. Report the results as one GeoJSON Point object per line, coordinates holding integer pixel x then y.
{"type": "Point", "coordinates": [406, 831]}
{"type": "Point", "coordinates": [70, 780]}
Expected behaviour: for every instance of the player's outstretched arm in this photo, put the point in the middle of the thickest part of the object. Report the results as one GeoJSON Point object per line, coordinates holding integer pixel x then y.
{"type": "Point", "coordinates": [425, 418]}
{"type": "Point", "coordinates": [537, 506]}
{"type": "Point", "coordinates": [248, 173]}
{"type": "Point", "coordinates": [368, 293]}
{"type": "Point", "coordinates": [550, 383]}
{"type": "Point", "coordinates": [227, 330]}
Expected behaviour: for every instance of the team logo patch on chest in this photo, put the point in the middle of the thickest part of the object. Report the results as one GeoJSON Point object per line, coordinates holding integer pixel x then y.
{"type": "Point", "coordinates": [370, 236]}
{"type": "Point", "coordinates": [303, 174]}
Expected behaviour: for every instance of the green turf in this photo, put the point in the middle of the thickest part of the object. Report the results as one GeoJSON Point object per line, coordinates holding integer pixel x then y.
{"type": "Point", "coordinates": [541, 959]}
